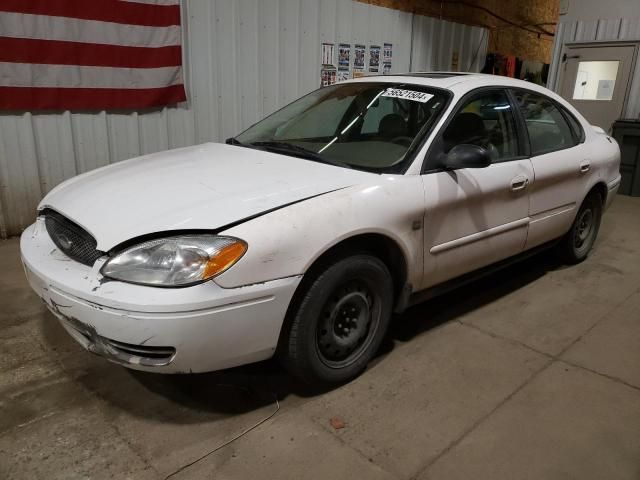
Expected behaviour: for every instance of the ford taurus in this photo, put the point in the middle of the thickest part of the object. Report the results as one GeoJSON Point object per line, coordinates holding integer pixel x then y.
{"type": "Point", "coordinates": [302, 235]}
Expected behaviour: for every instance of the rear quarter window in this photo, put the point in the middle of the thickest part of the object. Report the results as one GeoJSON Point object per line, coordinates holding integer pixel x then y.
{"type": "Point", "coordinates": [575, 125]}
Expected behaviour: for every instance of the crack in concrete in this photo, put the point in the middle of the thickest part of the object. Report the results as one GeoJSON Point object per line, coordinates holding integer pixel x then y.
{"type": "Point", "coordinates": [600, 374]}
{"type": "Point", "coordinates": [482, 419]}
{"type": "Point", "coordinates": [324, 426]}
{"type": "Point", "coordinates": [551, 360]}
{"type": "Point", "coordinates": [228, 442]}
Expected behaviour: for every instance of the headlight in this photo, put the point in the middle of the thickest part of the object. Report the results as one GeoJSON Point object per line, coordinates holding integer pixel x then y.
{"type": "Point", "coordinates": [175, 261]}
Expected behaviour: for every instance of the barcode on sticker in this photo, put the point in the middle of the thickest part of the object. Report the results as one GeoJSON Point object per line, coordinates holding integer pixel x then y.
{"type": "Point", "coordinates": [421, 97]}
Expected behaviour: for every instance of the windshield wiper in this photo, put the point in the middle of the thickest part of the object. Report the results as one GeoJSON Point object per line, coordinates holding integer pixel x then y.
{"type": "Point", "coordinates": [235, 141]}
{"type": "Point", "coordinates": [290, 148]}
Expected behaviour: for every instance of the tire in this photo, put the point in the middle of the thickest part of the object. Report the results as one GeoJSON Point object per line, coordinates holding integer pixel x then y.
{"type": "Point", "coordinates": [340, 321]}
{"type": "Point", "coordinates": [578, 242]}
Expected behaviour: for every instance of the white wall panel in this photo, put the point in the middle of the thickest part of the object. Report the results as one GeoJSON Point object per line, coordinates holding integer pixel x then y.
{"type": "Point", "coordinates": [586, 31]}
{"type": "Point", "coordinates": [243, 60]}
{"type": "Point", "coordinates": [435, 41]}
{"type": "Point", "coordinates": [608, 29]}
{"type": "Point", "coordinates": [630, 29]}
{"type": "Point", "coordinates": [599, 30]}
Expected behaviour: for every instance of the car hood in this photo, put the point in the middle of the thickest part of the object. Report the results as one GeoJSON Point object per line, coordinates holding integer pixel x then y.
{"type": "Point", "coordinates": [203, 187]}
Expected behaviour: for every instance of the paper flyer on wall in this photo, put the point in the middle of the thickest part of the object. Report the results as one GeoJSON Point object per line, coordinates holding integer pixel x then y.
{"type": "Point", "coordinates": [343, 75]}
{"type": "Point", "coordinates": [328, 75]}
{"type": "Point", "coordinates": [344, 56]}
{"type": "Point", "coordinates": [328, 53]}
{"type": "Point", "coordinates": [387, 57]}
{"type": "Point", "coordinates": [374, 58]}
{"type": "Point", "coordinates": [358, 61]}
{"type": "Point", "coordinates": [388, 52]}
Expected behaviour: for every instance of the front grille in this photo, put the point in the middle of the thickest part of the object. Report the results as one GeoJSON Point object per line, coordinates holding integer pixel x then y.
{"type": "Point", "coordinates": [72, 240]}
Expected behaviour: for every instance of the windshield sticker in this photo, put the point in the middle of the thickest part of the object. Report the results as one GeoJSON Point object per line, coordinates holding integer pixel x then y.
{"type": "Point", "coordinates": [421, 97]}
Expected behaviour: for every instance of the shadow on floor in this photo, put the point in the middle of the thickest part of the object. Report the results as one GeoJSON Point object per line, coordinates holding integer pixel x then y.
{"type": "Point", "coordinates": [196, 398]}
{"type": "Point", "coordinates": [457, 303]}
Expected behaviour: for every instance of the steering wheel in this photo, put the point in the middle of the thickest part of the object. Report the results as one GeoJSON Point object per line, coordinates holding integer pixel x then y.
{"type": "Point", "coordinates": [404, 141]}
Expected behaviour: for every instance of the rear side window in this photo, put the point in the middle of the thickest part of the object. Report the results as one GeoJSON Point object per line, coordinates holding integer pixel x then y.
{"type": "Point", "coordinates": [547, 126]}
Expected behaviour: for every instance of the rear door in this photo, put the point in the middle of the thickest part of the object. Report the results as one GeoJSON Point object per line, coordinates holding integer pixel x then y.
{"type": "Point", "coordinates": [475, 217]}
{"type": "Point", "coordinates": [561, 164]}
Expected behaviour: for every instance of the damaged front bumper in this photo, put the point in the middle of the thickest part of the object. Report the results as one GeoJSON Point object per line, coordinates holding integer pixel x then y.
{"type": "Point", "coordinates": [195, 329]}
{"type": "Point", "coordinates": [118, 352]}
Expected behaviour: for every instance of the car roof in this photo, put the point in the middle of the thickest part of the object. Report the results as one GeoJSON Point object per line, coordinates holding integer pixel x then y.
{"type": "Point", "coordinates": [460, 83]}
{"type": "Point", "coordinates": [452, 80]}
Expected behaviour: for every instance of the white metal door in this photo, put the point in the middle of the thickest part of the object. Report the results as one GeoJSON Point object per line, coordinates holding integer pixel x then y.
{"type": "Point", "coordinates": [595, 80]}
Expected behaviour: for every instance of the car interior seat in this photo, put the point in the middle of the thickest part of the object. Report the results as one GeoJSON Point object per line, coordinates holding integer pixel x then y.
{"type": "Point", "coordinates": [392, 126]}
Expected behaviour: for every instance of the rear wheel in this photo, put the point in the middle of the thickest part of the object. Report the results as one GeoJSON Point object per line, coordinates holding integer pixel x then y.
{"type": "Point", "coordinates": [578, 242]}
{"type": "Point", "coordinates": [340, 321]}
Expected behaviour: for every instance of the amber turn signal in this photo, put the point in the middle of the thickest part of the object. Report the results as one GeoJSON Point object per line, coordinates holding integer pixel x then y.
{"type": "Point", "coordinates": [224, 259]}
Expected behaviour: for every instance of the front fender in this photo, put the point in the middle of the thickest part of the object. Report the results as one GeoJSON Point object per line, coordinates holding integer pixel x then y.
{"type": "Point", "coordinates": [286, 242]}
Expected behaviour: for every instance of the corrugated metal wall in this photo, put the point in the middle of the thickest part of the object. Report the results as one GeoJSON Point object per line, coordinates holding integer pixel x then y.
{"type": "Point", "coordinates": [435, 42]}
{"type": "Point", "coordinates": [243, 60]}
{"type": "Point", "coordinates": [602, 30]}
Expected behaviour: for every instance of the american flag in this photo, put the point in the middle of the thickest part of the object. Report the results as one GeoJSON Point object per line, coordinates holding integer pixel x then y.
{"type": "Point", "coordinates": [90, 54]}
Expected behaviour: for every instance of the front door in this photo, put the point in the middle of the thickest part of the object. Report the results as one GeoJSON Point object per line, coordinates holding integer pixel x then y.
{"type": "Point", "coordinates": [475, 217]}
{"type": "Point", "coordinates": [595, 80]}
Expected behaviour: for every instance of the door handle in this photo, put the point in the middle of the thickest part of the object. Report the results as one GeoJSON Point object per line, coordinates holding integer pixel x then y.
{"type": "Point", "coordinates": [585, 167]}
{"type": "Point", "coordinates": [519, 183]}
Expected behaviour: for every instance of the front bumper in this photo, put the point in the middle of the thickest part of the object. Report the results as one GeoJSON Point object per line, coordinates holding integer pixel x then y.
{"type": "Point", "coordinates": [194, 329]}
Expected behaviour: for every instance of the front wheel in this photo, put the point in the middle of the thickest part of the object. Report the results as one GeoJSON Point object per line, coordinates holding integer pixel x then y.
{"type": "Point", "coordinates": [340, 321]}
{"type": "Point", "coordinates": [578, 242]}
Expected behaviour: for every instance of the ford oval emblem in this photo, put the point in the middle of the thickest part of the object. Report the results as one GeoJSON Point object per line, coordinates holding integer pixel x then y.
{"type": "Point", "coordinates": [64, 241]}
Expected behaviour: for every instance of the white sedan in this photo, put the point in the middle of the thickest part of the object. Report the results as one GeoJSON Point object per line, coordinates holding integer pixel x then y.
{"type": "Point", "coordinates": [301, 236]}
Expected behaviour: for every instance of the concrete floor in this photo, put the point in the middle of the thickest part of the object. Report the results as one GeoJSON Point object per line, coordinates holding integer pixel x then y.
{"type": "Point", "coordinates": [531, 373]}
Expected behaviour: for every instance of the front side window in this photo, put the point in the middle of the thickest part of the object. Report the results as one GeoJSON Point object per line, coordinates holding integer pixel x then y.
{"type": "Point", "coordinates": [548, 129]}
{"type": "Point", "coordinates": [487, 120]}
{"type": "Point", "coordinates": [369, 126]}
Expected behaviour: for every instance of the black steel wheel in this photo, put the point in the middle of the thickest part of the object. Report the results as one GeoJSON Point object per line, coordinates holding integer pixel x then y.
{"type": "Point", "coordinates": [347, 324]}
{"type": "Point", "coordinates": [340, 321]}
{"type": "Point", "coordinates": [584, 231]}
{"type": "Point", "coordinates": [578, 242]}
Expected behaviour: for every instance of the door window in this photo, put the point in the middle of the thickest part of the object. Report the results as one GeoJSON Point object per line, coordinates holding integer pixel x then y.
{"type": "Point", "coordinates": [548, 129]}
{"type": "Point", "coordinates": [488, 121]}
{"type": "Point", "coordinates": [596, 80]}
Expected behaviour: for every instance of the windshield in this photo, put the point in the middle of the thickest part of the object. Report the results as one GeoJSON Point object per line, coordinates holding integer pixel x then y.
{"type": "Point", "coordinates": [367, 126]}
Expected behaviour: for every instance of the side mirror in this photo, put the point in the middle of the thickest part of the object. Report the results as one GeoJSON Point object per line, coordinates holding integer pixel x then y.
{"type": "Point", "coordinates": [467, 156]}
